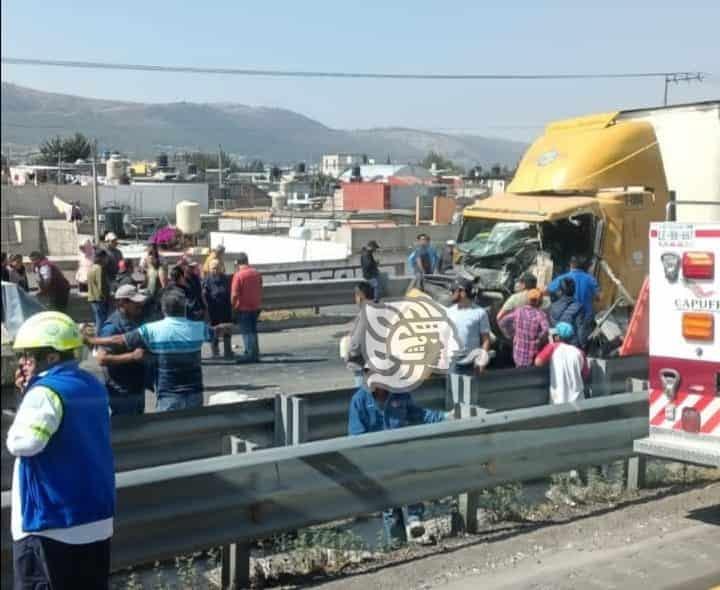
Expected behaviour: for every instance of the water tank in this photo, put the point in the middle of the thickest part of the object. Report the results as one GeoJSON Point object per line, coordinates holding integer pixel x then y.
{"type": "Point", "coordinates": [300, 168]}
{"type": "Point", "coordinates": [279, 202]}
{"type": "Point", "coordinates": [356, 175]}
{"type": "Point", "coordinates": [187, 216]}
{"type": "Point", "coordinates": [300, 232]}
{"type": "Point", "coordinates": [162, 160]}
{"type": "Point", "coordinates": [115, 169]}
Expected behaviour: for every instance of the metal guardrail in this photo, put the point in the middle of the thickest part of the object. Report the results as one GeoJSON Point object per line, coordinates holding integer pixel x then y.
{"type": "Point", "coordinates": [173, 437]}
{"type": "Point", "coordinates": [321, 293]}
{"type": "Point", "coordinates": [174, 509]}
{"type": "Point", "coordinates": [335, 272]}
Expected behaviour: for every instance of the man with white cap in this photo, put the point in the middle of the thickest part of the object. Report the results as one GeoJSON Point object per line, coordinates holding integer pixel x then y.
{"type": "Point", "coordinates": [125, 372]}
{"type": "Point", "coordinates": [568, 365]}
{"type": "Point", "coordinates": [115, 255]}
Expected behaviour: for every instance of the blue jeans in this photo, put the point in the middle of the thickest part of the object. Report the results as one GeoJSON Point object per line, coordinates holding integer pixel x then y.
{"type": "Point", "coordinates": [168, 402]}
{"type": "Point", "coordinates": [247, 322]}
{"type": "Point", "coordinates": [394, 523]}
{"type": "Point", "coordinates": [375, 284]}
{"type": "Point", "coordinates": [100, 312]}
{"type": "Point", "coordinates": [127, 405]}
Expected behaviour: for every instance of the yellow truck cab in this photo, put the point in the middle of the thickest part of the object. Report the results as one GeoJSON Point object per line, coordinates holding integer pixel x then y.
{"type": "Point", "coordinates": [590, 187]}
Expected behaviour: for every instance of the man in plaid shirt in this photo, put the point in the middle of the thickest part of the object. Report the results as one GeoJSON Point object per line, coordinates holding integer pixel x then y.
{"type": "Point", "coordinates": [529, 328]}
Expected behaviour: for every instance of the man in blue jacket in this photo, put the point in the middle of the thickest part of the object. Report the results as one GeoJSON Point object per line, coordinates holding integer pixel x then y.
{"type": "Point", "coordinates": [423, 260]}
{"type": "Point", "coordinates": [63, 489]}
{"type": "Point", "coordinates": [373, 409]}
{"type": "Point", "coordinates": [586, 289]}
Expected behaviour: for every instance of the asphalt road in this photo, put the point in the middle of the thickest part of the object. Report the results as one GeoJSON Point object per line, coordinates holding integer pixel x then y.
{"type": "Point", "coordinates": [669, 541]}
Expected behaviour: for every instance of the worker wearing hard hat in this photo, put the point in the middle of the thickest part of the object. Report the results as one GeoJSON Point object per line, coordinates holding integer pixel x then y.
{"type": "Point", "coordinates": [63, 489]}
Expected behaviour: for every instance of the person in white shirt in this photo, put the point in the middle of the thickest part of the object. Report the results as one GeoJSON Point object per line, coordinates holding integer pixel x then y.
{"type": "Point", "coordinates": [568, 365]}
{"type": "Point", "coordinates": [472, 326]}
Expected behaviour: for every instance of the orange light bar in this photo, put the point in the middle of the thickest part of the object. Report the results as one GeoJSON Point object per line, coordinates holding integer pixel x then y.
{"type": "Point", "coordinates": [698, 326]}
{"type": "Point", "coordinates": [698, 265]}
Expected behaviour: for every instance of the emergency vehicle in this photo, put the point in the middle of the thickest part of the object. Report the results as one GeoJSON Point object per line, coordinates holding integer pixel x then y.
{"type": "Point", "coordinates": [684, 343]}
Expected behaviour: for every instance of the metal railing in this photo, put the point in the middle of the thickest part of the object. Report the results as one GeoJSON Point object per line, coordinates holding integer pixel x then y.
{"type": "Point", "coordinates": [170, 510]}
{"type": "Point", "coordinates": [331, 272]}
{"type": "Point", "coordinates": [173, 437]}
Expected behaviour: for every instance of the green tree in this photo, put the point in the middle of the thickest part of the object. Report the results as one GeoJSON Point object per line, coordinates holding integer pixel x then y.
{"type": "Point", "coordinates": [68, 149]}
{"type": "Point", "coordinates": [441, 163]}
{"type": "Point", "coordinates": [205, 160]}
{"type": "Point", "coordinates": [51, 150]}
{"type": "Point", "coordinates": [76, 148]}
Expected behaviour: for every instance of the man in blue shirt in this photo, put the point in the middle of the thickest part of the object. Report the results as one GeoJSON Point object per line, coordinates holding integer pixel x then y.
{"type": "Point", "coordinates": [176, 343]}
{"type": "Point", "coordinates": [586, 286]}
{"type": "Point", "coordinates": [125, 373]}
{"type": "Point", "coordinates": [423, 260]}
{"type": "Point", "coordinates": [373, 409]}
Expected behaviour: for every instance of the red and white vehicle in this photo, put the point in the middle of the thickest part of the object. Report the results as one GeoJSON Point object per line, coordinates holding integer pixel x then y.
{"type": "Point", "coordinates": [684, 343]}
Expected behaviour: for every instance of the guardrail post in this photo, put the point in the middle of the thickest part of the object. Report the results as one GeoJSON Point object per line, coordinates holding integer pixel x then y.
{"type": "Point", "coordinates": [299, 429]}
{"type": "Point", "coordinates": [235, 572]}
{"type": "Point", "coordinates": [281, 436]}
{"type": "Point", "coordinates": [292, 420]}
{"type": "Point", "coordinates": [635, 472]}
{"type": "Point", "coordinates": [469, 502]}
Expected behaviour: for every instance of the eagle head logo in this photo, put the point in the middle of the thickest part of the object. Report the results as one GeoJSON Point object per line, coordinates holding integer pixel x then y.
{"type": "Point", "coordinates": [406, 340]}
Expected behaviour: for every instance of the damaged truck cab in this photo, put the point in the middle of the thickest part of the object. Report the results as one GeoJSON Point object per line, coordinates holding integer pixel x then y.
{"type": "Point", "coordinates": [590, 187]}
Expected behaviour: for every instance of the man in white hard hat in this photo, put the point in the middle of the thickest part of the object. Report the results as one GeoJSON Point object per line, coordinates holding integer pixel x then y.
{"type": "Point", "coordinates": [63, 490]}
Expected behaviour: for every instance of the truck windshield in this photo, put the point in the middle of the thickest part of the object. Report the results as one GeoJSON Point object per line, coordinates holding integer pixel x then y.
{"type": "Point", "coordinates": [489, 237]}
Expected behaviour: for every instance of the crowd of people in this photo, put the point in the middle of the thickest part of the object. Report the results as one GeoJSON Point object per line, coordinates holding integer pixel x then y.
{"type": "Point", "coordinates": [150, 327]}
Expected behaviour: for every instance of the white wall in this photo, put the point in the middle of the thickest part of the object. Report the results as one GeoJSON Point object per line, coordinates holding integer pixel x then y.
{"type": "Point", "coordinates": [154, 199]}
{"type": "Point", "coordinates": [689, 141]}
{"type": "Point", "coordinates": [274, 249]}
{"type": "Point", "coordinates": [400, 238]}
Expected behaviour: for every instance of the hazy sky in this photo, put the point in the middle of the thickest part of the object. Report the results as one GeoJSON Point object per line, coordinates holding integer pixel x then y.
{"type": "Point", "coordinates": [414, 36]}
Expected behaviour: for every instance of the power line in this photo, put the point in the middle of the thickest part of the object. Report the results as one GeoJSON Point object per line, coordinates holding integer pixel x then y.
{"type": "Point", "coordinates": [329, 74]}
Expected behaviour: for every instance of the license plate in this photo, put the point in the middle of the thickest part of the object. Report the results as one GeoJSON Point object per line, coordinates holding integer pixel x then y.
{"type": "Point", "coordinates": [670, 413]}
{"type": "Point", "coordinates": [676, 235]}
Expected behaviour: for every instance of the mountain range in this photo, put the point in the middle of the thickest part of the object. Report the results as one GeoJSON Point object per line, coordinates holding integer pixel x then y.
{"type": "Point", "coordinates": [274, 135]}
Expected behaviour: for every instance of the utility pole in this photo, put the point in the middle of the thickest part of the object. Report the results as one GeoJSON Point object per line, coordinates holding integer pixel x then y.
{"type": "Point", "coordinates": [57, 178]}
{"type": "Point", "coordinates": [220, 171]}
{"type": "Point", "coordinates": [96, 227]}
{"type": "Point", "coordinates": [680, 77]}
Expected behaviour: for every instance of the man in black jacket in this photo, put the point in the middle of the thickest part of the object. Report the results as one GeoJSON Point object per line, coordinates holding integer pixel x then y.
{"type": "Point", "coordinates": [370, 270]}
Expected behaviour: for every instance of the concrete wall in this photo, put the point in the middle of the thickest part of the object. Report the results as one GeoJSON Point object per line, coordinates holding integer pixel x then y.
{"type": "Point", "coordinates": [154, 199]}
{"type": "Point", "coordinates": [274, 250]}
{"type": "Point", "coordinates": [21, 234]}
{"type": "Point", "coordinates": [37, 200]}
{"type": "Point", "coordinates": [61, 237]}
{"type": "Point", "coordinates": [400, 238]}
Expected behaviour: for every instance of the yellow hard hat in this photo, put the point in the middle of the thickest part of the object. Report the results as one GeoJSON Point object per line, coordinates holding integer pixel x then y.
{"type": "Point", "coordinates": [48, 329]}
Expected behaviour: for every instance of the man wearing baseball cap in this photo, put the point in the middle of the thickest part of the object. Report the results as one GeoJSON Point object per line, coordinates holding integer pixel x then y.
{"type": "Point", "coordinates": [125, 373]}
{"type": "Point", "coordinates": [473, 330]}
{"type": "Point", "coordinates": [115, 255]}
{"type": "Point", "coordinates": [528, 326]}
{"type": "Point", "coordinates": [568, 365]}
